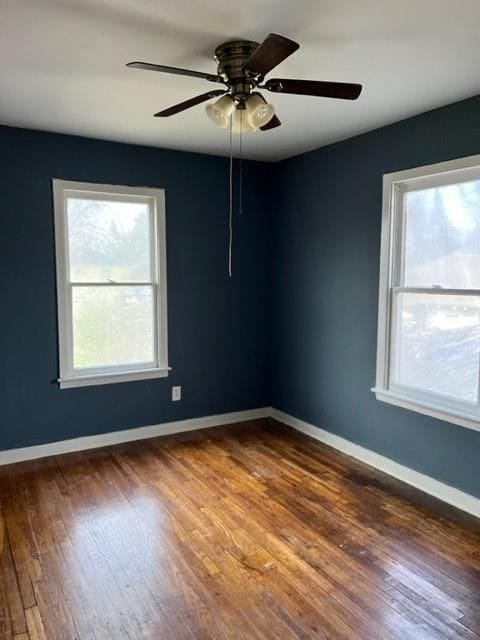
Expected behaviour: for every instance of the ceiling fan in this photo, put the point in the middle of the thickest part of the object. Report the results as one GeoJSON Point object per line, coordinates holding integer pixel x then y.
{"type": "Point", "coordinates": [242, 67]}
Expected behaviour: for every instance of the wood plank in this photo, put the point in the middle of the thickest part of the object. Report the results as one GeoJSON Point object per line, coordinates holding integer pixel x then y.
{"type": "Point", "coordinates": [12, 617]}
{"type": "Point", "coordinates": [250, 531]}
{"type": "Point", "coordinates": [36, 629]}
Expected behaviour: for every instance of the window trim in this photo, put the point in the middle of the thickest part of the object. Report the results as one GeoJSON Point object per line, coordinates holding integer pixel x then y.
{"type": "Point", "coordinates": [394, 184]}
{"type": "Point", "coordinates": [159, 368]}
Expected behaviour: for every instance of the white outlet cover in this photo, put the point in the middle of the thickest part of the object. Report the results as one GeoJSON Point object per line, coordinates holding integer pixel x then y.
{"type": "Point", "coordinates": [176, 393]}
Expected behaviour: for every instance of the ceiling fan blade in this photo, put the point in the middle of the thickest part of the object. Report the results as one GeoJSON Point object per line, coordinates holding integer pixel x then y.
{"type": "Point", "coordinates": [342, 90]}
{"type": "Point", "coordinates": [181, 106]}
{"type": "Point", "coordinates": [273, 50]}
{"type": "Point", "coordinates": [271, 124]}
{"type": "Point", "coordinates": [175, 70]}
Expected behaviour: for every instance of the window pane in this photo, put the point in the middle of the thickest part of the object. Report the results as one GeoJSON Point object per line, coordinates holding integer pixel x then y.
{"type": "Point", "coordinates": [108, 241]}
{"type": "Point", "coordinates": [112, 326]}
{"type": "Point", "coordinates": [442, 241]}
{"type": "Point", "coordinates": [437, 344]}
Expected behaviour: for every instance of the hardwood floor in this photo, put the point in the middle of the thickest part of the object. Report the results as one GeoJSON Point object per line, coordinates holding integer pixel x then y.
{"type": "Point", "coordinates": [248, 531]}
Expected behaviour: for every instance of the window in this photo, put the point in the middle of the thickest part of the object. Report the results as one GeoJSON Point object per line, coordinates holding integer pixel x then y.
{"type": "Point", "coordinates": [111, 283]}
{"type": "Point", "coordinates": [428, 355]}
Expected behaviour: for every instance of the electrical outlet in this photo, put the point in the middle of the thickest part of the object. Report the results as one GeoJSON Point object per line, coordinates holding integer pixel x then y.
{"type": "Point", "coordinates": [176, 393]}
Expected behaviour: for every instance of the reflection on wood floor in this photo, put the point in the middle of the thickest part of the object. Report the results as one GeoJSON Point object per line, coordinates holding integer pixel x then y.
{"type": "Point", "coordinates": [248, 531]}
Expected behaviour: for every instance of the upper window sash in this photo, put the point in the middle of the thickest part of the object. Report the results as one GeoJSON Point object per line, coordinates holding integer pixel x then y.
{"type": "Point", "coordinates": [115, 194]}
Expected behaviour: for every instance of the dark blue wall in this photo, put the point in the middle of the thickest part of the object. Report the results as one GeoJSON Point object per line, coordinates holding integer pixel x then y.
{"type": "Point", "coordinates": [326, 261]}
{"type": "Point", "coordinates": [217, 327]}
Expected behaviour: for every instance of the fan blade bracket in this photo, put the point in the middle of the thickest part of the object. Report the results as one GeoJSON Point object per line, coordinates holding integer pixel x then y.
{"type": "Point", "coordinates": [275, 86]}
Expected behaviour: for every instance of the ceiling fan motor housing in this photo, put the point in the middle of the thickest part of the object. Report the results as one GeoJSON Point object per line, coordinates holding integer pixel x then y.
{"type": "Point", "coordinates": [231, 57]}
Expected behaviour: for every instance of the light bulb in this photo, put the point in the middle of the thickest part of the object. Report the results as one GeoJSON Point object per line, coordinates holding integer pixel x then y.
{"type": "Point", "coordinates": [220, 111]}
{"type": "Point", "coordinates": [259, 110]}
{"type": "Point", "coordinates": [242, 122]}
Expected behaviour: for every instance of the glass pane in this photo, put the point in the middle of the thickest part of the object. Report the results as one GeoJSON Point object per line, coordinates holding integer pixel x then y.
{"type": "Point", "coordinates": [437, 344]}
{"type": "Point", "coordinates": [112, 325]}
{"type": "Point", "coordinates": [108, 241]}
{"type": "Point", "coordinates": [442, 242]}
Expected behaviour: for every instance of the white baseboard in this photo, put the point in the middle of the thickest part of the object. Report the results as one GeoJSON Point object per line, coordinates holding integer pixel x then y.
{"type": "Point", "coordinates": [10, 456]}
{"type": "Point", "coordinates": [445, 492]}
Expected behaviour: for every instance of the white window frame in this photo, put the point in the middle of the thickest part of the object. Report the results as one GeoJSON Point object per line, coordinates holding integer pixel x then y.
{"type": "Point", "coordinates": [393, 227]}
{"type": "Point", "coordinates": [158, 368]}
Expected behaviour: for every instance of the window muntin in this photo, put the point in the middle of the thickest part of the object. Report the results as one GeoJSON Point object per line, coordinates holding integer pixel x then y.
{"type": "Point", "coordinates": [111, 283]}
{"type": "Point", "coordinates": [429, 318]}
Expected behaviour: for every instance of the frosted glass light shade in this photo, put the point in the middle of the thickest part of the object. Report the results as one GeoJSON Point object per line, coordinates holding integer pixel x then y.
{"type": "Point", "coordinates": [260, 112]}
{"type": "Point", "coordinates": [242, 122]}
{"type": "Point", "coordinates": [220, 111]}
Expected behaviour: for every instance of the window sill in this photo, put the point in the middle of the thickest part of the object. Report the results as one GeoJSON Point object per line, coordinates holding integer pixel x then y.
{"type": "Point", "coordinates": [428, 409]}
{"type": "Point", "coordinates": [112, 378]}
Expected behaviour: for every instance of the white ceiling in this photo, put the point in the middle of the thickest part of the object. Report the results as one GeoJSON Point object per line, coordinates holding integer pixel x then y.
{"type": "Point", "coordinates": [62, 65]}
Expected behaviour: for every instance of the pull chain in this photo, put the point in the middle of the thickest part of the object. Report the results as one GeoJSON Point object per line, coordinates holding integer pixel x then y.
{"type": "Point", "coordinates": [240, 169]}
{"type": "Point", "coordinates": [230, 213]}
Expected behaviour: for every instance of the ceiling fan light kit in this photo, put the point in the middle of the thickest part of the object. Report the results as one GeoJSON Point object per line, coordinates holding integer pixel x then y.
{"type": "Point", "coordinates": [259, 110]}
{"type": "Point", "coordinates": [242, 123]}
{"type": "Point", "coordinates": [254, 113]}
{"type": "Point", "coordinates": [242, 66]}
{"type": "Point", "coordinates": [220, 111]}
